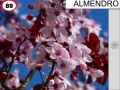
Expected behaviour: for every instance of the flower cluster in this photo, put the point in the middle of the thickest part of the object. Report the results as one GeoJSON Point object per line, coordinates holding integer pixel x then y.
{"type": "Point", "coordinates": [65, 40]}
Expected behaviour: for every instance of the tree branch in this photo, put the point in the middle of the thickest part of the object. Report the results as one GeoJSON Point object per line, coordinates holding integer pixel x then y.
{"type": "Point", "coordinates": [3, 85]}
{"type": "Point", "coordinates": [17, 51]}
{"type": "Point", "coordinates": [41, 77]}
{"type": "Point", "coordinates": [51, 72]}
{"type": "Point", "coordinates": [27, 79]}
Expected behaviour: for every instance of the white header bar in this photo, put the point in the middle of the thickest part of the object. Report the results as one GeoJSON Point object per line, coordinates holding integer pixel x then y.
{"type": "Point", "coordinates": [92, 4]}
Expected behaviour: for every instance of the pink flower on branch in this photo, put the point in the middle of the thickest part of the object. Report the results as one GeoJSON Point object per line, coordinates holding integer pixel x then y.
{"type": "Point", "coordinates": [57, 51]}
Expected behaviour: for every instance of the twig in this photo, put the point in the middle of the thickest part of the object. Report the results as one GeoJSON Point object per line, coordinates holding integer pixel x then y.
{"type": "Point", "coordinates": [3, 85]}
{"type": "Point", "coordinates": [27, 79]}
{"type": "Point", "coordinates": [49, 76]}
{"type": "Point", "coordinates": [18, 49]}
{"type": "Point", "coordinates": [41, 77]}
{"type": "Point", "coordinates": [10, 66]}
{"type": "Point", "coordinates": [4, 63]}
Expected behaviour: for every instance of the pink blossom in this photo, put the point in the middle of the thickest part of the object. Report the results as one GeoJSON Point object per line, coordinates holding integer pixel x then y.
{"type": "Point", "coordinates": [96, 72]}
{"type": "Point", "coordinates": [58, 84]}
{"type": "Point", "coordinates": [80, 52]}
{"type": "Point", "coordinates": [57, 51]}
{"type": "Point", "coordinates": [44, 40]}
{"type": "Point", "coordinates": [81, 86]}
{"type": "Point", "coordinates": [13, 81]}
{"type": "Point", "coordinates": [66, 65]}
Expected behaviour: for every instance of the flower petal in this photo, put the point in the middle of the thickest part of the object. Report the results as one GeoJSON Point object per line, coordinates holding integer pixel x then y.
{"type": "Point", "coordinates": [87, 58]}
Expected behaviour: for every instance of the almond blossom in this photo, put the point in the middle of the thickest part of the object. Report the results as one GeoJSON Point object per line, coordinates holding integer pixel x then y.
{"type": "Point", "coordinates": [58, 84]}
{"type": "Point", "coordinates": [81, 86]}
{"type": "Point", "coordinates": [57, 51]}
{"type": "Point", "coordinates": [13, 80]}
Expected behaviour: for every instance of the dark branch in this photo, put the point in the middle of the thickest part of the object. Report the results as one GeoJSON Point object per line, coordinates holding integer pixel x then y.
{"type": "Point", "coordinates": [51, 72]}
{"type": "Point", "coordinates": [27, 79]}
{"type": "Point", "coordinates": [41, 77]}
{"type": "Point", "coordinates": [3, 85]}
{"type": "Point", "coordinates": [17, 51]}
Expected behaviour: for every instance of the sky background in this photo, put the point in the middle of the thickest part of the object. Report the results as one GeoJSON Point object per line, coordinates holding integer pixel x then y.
{"type": "Point", "coordinates": [100, 16]}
